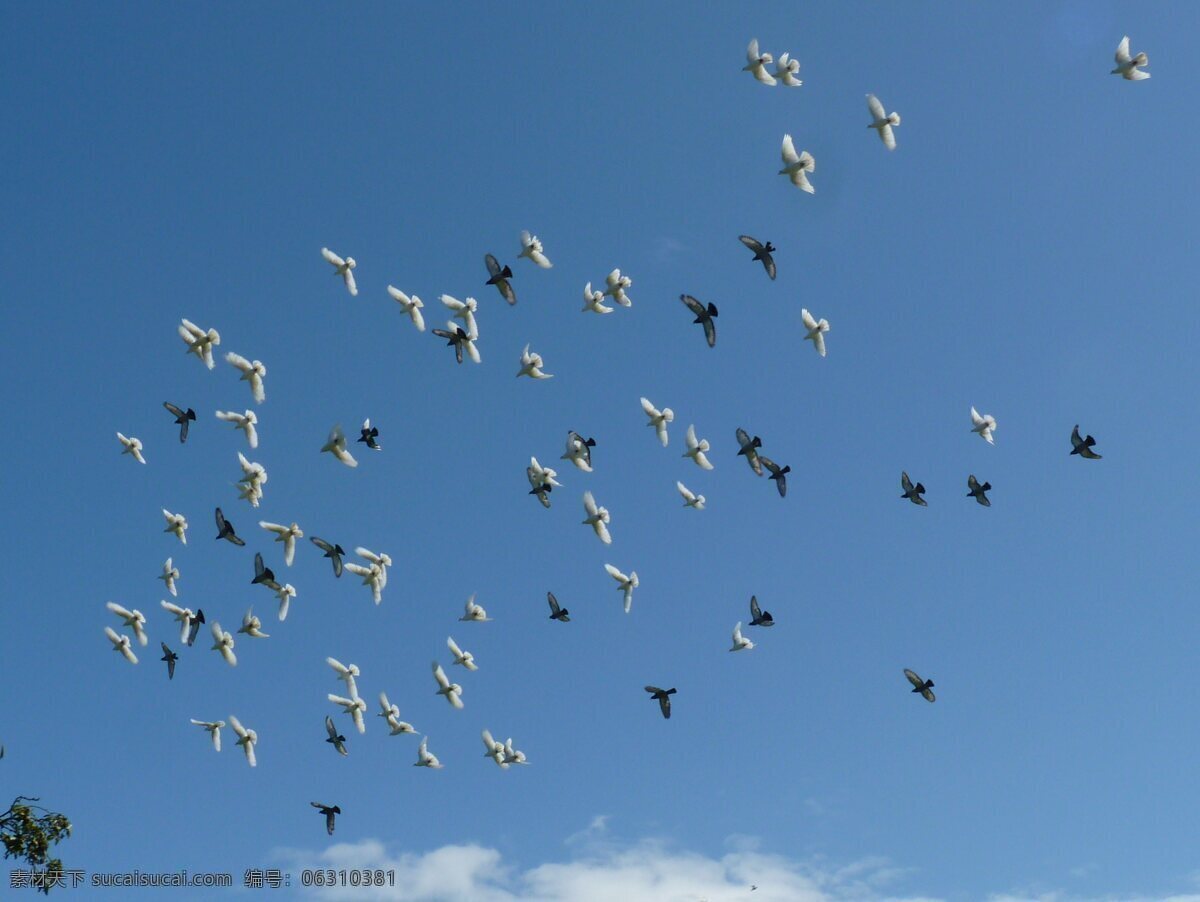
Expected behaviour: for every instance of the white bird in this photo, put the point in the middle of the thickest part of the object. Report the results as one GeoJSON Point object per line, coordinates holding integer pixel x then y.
{"type": "Point", "coordinates": [597, 518]}
{"type": "Point", "coordinates": [985, 425]}
{"type": "Point", "coordinates": [797, 166]}
{"type": "Point", "coordinates": [185, 616]}
{"type": "Point", "coordinates": [383, 560]}
{"type": "Point", "coordinates": [346, 673]}
{"type": "Point", "coordinates": [426, 758]}
{"type": "Point", "coordinates": [883, 122]}
{"type": "Point", "coordinates": [247, 739]}
{"type": "Point", "coordinates": [252, 626]}
{"type": "Point", "coordinates": [170, 573]}
{"type": "Point", "coordinates": [465, 658]}
{"type": "Point", "coordinates": [250, 491]}
{"type": "Point", "coordinates": [465, 311]}
{"type": "Point", "coordinates": [579, 451]}
{"type": "Point", "coordinates": [625, 583]}
{"type": "Point", "coordinates": [200, 342]}
{"type": "Point", "coordinates": [286, 534]}
{"type": "Point", "coordinates": [493, 749]}
{"type": "Point", "coordinates": [531, 365]}
{"type": "Point", "coordinates": [739, 641]}
{"type": "Point", "coordinates": [121, 643]}
{"type": "Point", "coordinates": [285, 594]}
{"type": "Point", "coordinates": [391, 713]}
{"type": "Point", "coordinates": [696, 449]}
{"type": "Point", "coordinates": [354, 707]}
{"type": "Point", "coordinates": [690, 498]}
{"type": "Point", "coordinates": [224, 644]}
{"type": "Point", "coordinates": [253, 371]}
{"type": "Point", "coordinates": [659, 419]}
{"type": "Point", "coordinates": [134, 619]}
{"type": "Point", "coordinates": [474, 613]}
{"type": "Point", "coordinates": [372, 576]}
{"type": "Point", "coordinates": [757, 63]}
{"type": "Point", "coordinates": [594, 300]}
{"type": "Point", "coordinates": [452, 691]}
{"type": "Point", "coordinates": [243, 421]}
{"type": "Point", "coordinates": [409, 305]}
{"type": "Point", "coordinates": [176, 524]}
{"type": "Point", "coordinates": [132, 446]}
{"type": "Point", "coordinates": [617, 284]}
{"type": "Point", "coordinates": [1127, 67]}
{"type": "Point", "coordinates": [343, 268]}
{"type": "Point", "coordinates": [539, 475]}
{"type": "Point", "coordinates": [513, 755]}
{"type": "Point", "coordinates": [786, 69]}
{"type": "Point", "coordinates": [254, 477]}
{"type": "Point", "coordinates": [531, 247]}
{"type": "Point", "coordinates": [336, 445]}
{"type": "Point", "coordinates": [214, 729]}
{"type": "Point", "coordinates": [816, 330]}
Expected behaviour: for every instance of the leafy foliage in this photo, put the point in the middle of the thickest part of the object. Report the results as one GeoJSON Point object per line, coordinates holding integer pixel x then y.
{"type": "Point", "coordinates": [29, 831]}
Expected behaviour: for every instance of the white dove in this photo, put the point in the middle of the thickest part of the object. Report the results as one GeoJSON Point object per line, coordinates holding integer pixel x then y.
{"type": "Point", "coordinates": [200, 342]}
{"type": "Point", "coordinates": [465, 658]}
{"type": "Point", "coordinates": [391, 713]}
{"type": "Point", "coordinates": [594, 300]}
{"type": "Point", "coordinates": [690, 498]}
{"type": "Point", "coordinates": [493, 749]}
{"type": "Point", "coordinates": [757, 63]}
{"type": "Point", "coordinates": [539, 475]}
{"type": "Point", "coordinates": [465, 311]}
{"type": "Point", "coordinates": [214, 729]}
{"type": "Point", "coordinates": [254, 477]}
{"type": "Point", "coordinates": [985, 425]}
{"type": "Point", "coordinates": [739, 641]}
{"type": "Point", "coordinates": [170, 573]}
{"type": "Point", "coordinates": [579, 451]}
{"type": "Point", "coordinates": [354, 707]}
{"type": "Point", "coordinates": [816, 330]}
{"type": "Point", "coordinates": [286, 534]}
{"type": "Point", "coordinates": [243, 421]}
{"type": "Point", "coordinates": [134, 619]}
{"type": "Point", "coordinates": [285, 594]}
{"type": "Point", "coordinates": [176, 524]}
{"type": "Point", "coordinates": [617, 284]}
{"type": "Point", "coordinates": [1127, 67]}
{"type": "Point", "coordinates": [625, 583]}
{"type": "Point", "coordinates": [531, 247]}
{"type": "Point", "coordinates": [247, 739]}
{"type": "Point", "coordinates": [786, 69]}
{"type": "Point", "coordinates": [383, 560]}
{"type": "Point", "coordinates": [253, 371]}
{"type": "Point", "coordinates": [452, 691]}
{"type": "Point", "coordinates": [474, 613]}
{"type": "Point", "coordinates": [132, 446]}
{"type": "Point", "coordinates": [371, 576]}
{"type": "Point", "coordinates": [797, 166]}
{"type": "Point", "coordinates": [659, 419]}
{"type": "Point", "coordinates": [531, 365]}
{"type": "Point", "coordinates": [121, 643]}
{"type": "Point", "coordinates": [426, 758]}
{"type": "Point", "coordinates": [252, 626]}
{"type": "Point", "coordinates": [597, 518]}
{"type": "Point", "coordinates": [346, 673]}
{"type": "Point", "coordinates": [513, 755]}
{"type": "Point", "coordinates": [224, 644]}
{"type": "Point", "coordinates": [183, 615]}
{"type": "Point", "coordinates": [696, 449]}
{"type": "Point", "coordinates": [883, 122]}
{"type": "Point", "coordinates": [409, 305]}
{"type": "Point", "coordinates": [343, 268]}
{"type": "Point", "coordinates": [336, 445]}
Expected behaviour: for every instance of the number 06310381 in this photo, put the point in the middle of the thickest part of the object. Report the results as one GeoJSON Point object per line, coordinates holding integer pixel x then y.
{"type": "Point", "coordinates": [353, 877]}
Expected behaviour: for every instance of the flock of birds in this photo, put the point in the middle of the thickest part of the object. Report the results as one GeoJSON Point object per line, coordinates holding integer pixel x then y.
{"type": "Point", "coordinates": [462, 333]}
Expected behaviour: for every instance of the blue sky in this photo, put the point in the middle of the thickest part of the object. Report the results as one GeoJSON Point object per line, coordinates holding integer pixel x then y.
{"type": "Point", "coordinates": [1024, 250]}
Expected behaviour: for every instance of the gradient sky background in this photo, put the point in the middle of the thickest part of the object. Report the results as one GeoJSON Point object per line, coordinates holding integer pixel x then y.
{"type": "Point", "coordinates": [1025, 250]}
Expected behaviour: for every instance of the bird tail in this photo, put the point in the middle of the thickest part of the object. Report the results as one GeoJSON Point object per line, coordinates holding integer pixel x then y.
{"type": "Point", "coordinates": [894, 118]}
{"type": "Point", "coordinates": [1142, 60]}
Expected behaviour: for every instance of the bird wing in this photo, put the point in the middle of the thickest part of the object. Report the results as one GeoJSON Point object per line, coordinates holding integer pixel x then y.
{"type": "Point", "coordinates": [876, 108]}
{"type": "Point", "coordinates": [553, 602]}
{"type": "Point", "coordinates": [905, 482]}
{"type": "Point", "coordinates": [493, 266]}
{"type": "Point", "coordinates": [753, 243]}
{"type": "Point", "coordinates": [440, 676]}
{"type": "Point", "coordinates": [239, 361]}
{"type": "Point", "coordinates": [788, 151]}
{"type": "Point", "coordinates": [616, 574]}
{"type": "Point", "coordinates": [809, 322]}
{"type": "Point", "coordinates": [589, 504]}
{"type": "Point", "coordinates": [687, 493]}
{"type": "Point", "coordinates": [976, 419]}
{"type": "Point", "coordinates": [453, 646]}
{"type": "Point", "coordinates": [692, 304]}
{"type": "Point", "coordinates": [333, 258]}
{"type": "Point", "coordinates": [913, 678]}
{"type": "Point", "coordinates": [1123, 51]}
{"type": "Point", "coordinates": [710, 332]}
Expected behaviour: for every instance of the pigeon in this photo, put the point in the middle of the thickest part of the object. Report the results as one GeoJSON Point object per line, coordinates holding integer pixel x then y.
{"type": "Point", "coordinates": [740, 642]}
{"type": "Point", "coordinates": [247, 739]}
{"type": "Point", "coordinates": [121, 643]}
{"type": "Point", "coordinates": [797, 166]}
{"type": "Point", "coordinates": [557, 612]}
{"type": "Point", "coordinates": [883, 122]}
{"type": "Point", "coordinates": [200, 342]}
{"type": "Point", "coordinates": [985, 425]}
{"type": "Point", "coordinates": [224, 644]}
{"type": "Point", "coordinates": [426, 758]}
{"type": "Point", "coordinates": [194, 627]}
{"type": "Point", "coordinates": [329, 812]}
{"type": "Point", "coordinates": [452, 691]}
{"type": "Point", "coordinates": [170, 657]}
{"type": "Point", "coordinates": [372, 576]}
{"type": "Point", "coordinates": [225, 530]}
{"type": "Point", "coordinates": [409, 305]}
{"type": "Point", "coordinates": [659, 420]}
{"type": "Point", "coordinates": [343, 268]}
{"type": "Point", "coordinates": [263, 575]}
{"type": "Point", "coordinates": [541, 487]}
{"type": "Point", "coordinates": [253, 372]}
{"type": "Point", "coordinates": [134, 620]}
{"type": "Point", "coordinates": [182, 419]}
{"type": "Point", "coordinates": [368, 435]}
{"type": "Point", "coordinates": [625, 583]}
{"type": "Point", "coordinates": [346, 673]}
{"type": "Point", "coordinates": [539, 475]}
{"type": "Point", "coordinates": [762, 253]}
{"type": "Point", "coordinates": [617, 284]}
{"type": "Point", "coordinates": [531, 365]}
{"type": "Point", "coordinates": [132, 446]}
{"type": "Point", "coordinates": [749, 447]}
{"type": "Point", "coordinates": [816, 330]}
{"type": "Point", "coordinates": [690, 498]}
{"type": "Point", "coordinates": [531, 248]}
{"type": "Point", "coordinates": [1127, 67]}
{"type": "Point", "coordinates": [597, 518]}
{"type": "Point", "coordinates": [579, 451]}
{"type": "Point", "coordinates": [254, 477]}
{"type": "Point", "coordinates": [779, 474]}
{"type": "Point", "coordinates": [184, 616]}
{"type": "Point", "coordinates": [696, 449]}
{"type": "Point", "coordinates": [170, 573]}
{"type": "Point", "coordinates": [463, 310]}
{"type": "Point", "coordinates": [459, 339]}
{"type": "Point", "coordinates": [1083, 446]}
{"type": "Point", "coordinates": [284, 594]}
{"type": "Point", "coordinates": [704, 316]}
{"type": "Point", "coordinates": [924, 687]}
{"type": "Point", "coordinates": [465, 658]}
{"type": "Point", "coordinates": [383, 560]}
{"type": "Point", "coordinates": [594, 300]}
{"type": "Point", "coordinates": [214, 730]}
{"type": "Point", "coordinates": [243, 421]}
{"type": "Point", "coordinates": [756, 63]}
{"type": "Point", "coordinates": [333, 552]}
{"type": "Point", "coordinates": [759, 617]}
{"type": "Point", "coordinates": [286, 534]}
{"type": "Point", "coordinates": [336, 445]}
{"type": "Point", "coordinates": [252, 626]}
{"type": "Point", "coordinates": [513, 755]}
{"type": "Point", "coordinates": [391, 713]}
{"type": "Point", "coordinates": [474, 612]}
{"type": "Point", "coordinates": [354, 707]}
{"type": "Point", "coordinates": [785, 71]}
{"type": "Point", "coordinates": [912, 492]}
{"type": "Point", "coordinates": [977, 491]}
{"type": "Point", "coordinates": [663, 697]}
{"type": "Point", "coordinates": [499, 277]}
{"type": "Point", "coordinates": [494, 749]}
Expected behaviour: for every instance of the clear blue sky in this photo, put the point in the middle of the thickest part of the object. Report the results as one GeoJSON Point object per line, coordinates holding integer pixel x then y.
{"type": "Point", "coordinates": [1024, 250]}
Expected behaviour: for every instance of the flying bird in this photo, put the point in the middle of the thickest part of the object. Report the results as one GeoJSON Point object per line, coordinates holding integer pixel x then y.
{"type": "Point", "coordinates": [924, 687]}
{"type": "Point", "coordinates": [121, 644]}
{"type": "Point", "coordinates": [977, 491]}
{"type": "Point", "coordinates": [597, 518]}
{"type": "Point", "coordinates": [474, 612]}
{"type": "Point", "coordinates": [410, 306]}
{"type": "Point", "coordinates": [253, 371]}
{"type": "Point", "coordinates": [132, 446]}
{"type": "Point", "coordinates": [224, 644]}
{"type": "Point", "coordinates": [382, 560]}
{"type": "Point", "coordinates": [663, 697]}
{"type": "Point", "coordinates": [759, 617]}
{"type": "Point", "coordinates": [286, 534]}
{"type": "Point", "coordinates": [690, 498]}
{"type": "Point", "coordinates": [459, 339]}
{"type": "Point", "coordinates": [594, 300]}
{"type": "Point", "coordinates": [336, 445]}
{"type": "Point", "coordinates": [779, 474]}
{"type": "Point", "coordinates": [182, 419]}
{"type": "Point", "coordinates": [513, 755]}
{"type": "Point", "coordinates": [200, 342]}
{"type": "Point", "coordinates": [659, 420]}
{"type": "Point", "coordinates": [170, 573]}
{"type": "Point", "coordinates": [372, 576]}
{"type": "Point", "coordinates": [194, 627]}
{"type": "Point", "coordinates": [225, 530]}
{"type": "Point", "coordinates": [465, 658]}
{"type": "Point", "coordinates": [391, 713]}
{"type": "Point", "coordinates": [816, 330]}
{"type": "Point", "coordinates": [263, 575]}
{"type": "Point", "coordinates": [985, 425]}
{"type": "Point", "coordinates": [494, 749]}
{"type": "Point", "coordinates": [883, 122]}
{"type": "Point", "coordinates": [330, 813]}
{"type": "Point", "coordinates": [343, 268]}
{"type": "Point", "coordinates": [696, 449]}
{"type": "Point", "coordinates": [347, 674]}
{"type": "Point", "coordinates": [134, 620]}
{"type": "Point", "coordinates": [284, 594]}
{"type": "Point", "coordinates": [1127, 66]}
{"type": "Point", "coordinates": [254, 477]}
{"type": "Point", "coordinates": [354, 707]}
{"type": "Point", "coordinates": [912, 492]}
{"type": "Point", "coordinates": [176, 525]}
{"type": "Point", "coordinates": [214, 730]}
{"type": "Point", "coordinates": [617, 284]}
{"type": "Point", "coordinates": [368, 435]}
{"type": "Point", "coordinates": [749, 447]}
{"type": "Point", "coordinates": [499, 277]}
{"type": "Point", "coordinates": [740, 642]}
{"type": "Point", "coordinates": [785, 71]}
{"type": "Point", "coordinates": [452, 691]}
{"type": "Point", "coordinates": [531, 365]}
{"type": "Point", "coordinates": [247, 739]}
{"type": "Point", "coordinates": [252, 626]}
{"type": "Point", "coordinates": [426, 758]}
{"type": "Point", "coordinates": [762, 253]}
{"type": "Point", "coordinates": [557, 612]}
{"type": "Point", "coordinates": [243, 421]}
{"type": "Point", "coordinates": [184, 616]}
{"type": "Point", "coordinates": [756, 63]}
{"type": "Point", "coordinates": [542, 479]}
{"type": "Point", "coordinates": [331, 551]}
{"type": "Point", "coordinates": [625, 583]}
{"type": "Point", "coordinates": [796, 166]}
{"type": "Point", "coordinates": [579, 451]}
{"type": "Point", "coordinates": [1083, 446]}
{"type": "Point", "coordinates": [704, 316]}
{"type": "Point", "coordinates": [531, 248]}
{"type": "Point", "coordinates": [463, 310]}
{"type": "Point", "coordinates": [170, 657]}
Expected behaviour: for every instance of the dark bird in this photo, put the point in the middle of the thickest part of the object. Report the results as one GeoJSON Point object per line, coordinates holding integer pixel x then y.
{"type": "Point", "coordinates": [777, 473]}
{"type": "Point", "coordinates": [749, 447]}
{"type": "Point", "coordinates": [1080, 446]}
{"type": "Point", "coordinates": [761, 252]}
{"type": "Point", "coordinates": [194, 628]}
{"type": "Point", "coordinates": [557, 612]}
{"type": "Point", "coordinates": [925, 687]}
{"type": "Point", "coordinates": [759, 617]}
{"type": "Point", "coordinates": [977, 491]}
{"type": "Point", "coordinates": [457, 338]}
{"type": "Point", "coordinates": [329, 813]}
{"type": "Point", "coordinates": [170, 657]}
{"type": "Point", "coordinates": [704, 316]}
{"type": "Point", "coordinates": [368, 434]}
{"type": "Point", "coordinates": [663, 696]}
{"type": "Point", "coordinates": [263, 575]}
{"type": "Point", "coordinates": [499, 277]}
{"type": "Point", "coordinates": [182, 418]}
{"type": "Point", "coordinates": [542, 490]}
{"type": "Point", "coordinates": [337, 741]}
{"type": "Point", "coordinates": [333, 552]}
{"type": "Point", "coordinates": [225, 530]}
{"type": "Point", "coordinates": [912, 492]}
